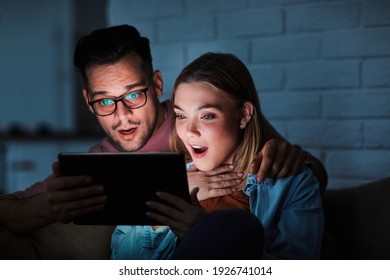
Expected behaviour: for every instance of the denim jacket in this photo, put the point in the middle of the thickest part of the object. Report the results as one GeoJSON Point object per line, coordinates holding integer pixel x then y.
{"type": "Point", "coordinates": [289, 208]}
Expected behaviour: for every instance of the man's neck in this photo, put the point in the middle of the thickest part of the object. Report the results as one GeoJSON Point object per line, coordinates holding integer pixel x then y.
{"type": "Point", "coordinates": [161, 115]}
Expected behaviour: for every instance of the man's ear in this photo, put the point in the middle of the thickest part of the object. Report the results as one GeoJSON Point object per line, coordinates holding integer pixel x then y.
{"type": "Point", "coordinates": [246, 114]}
{"type": "Point", "coordinates": [158, 83]}
{"type": "Point", "coordinates": [85, 94]}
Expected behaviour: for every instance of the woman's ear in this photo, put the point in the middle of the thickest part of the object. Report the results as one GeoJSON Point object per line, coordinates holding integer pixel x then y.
{"type": "Point", "coordinates": [246, 114]}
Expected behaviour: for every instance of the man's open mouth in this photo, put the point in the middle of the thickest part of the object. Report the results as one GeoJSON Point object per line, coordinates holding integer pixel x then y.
{"type": "Point", "coordinates": [127, 131]}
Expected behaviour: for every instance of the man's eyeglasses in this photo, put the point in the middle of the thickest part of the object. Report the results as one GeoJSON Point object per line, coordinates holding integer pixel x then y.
{"type": "Point", "coordinates": [132, 100]}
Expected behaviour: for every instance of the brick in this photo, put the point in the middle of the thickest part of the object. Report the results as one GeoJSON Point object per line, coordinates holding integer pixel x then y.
{"type": "Point", "coordinates": [267, 78]}
{"type": "Point", "coordinates": [168, 56]}
{"type": "Point", "coordinates": [375, 12]}
{"type": "Point", "coordinates": [357, 43]}
{"type": "Point", "coordinates": [376, 72]}
{"type": "Point", "coordinates": [315, 152]}
{"type": "Point", "coordinates": [215, 5]}
{"type": "Point", "coordinates": [377, 133]}
{"type": "Point", "coordinates": [312, 133]}
{"type": "Point", "coordinates": [129, 10]}
{"type": "Point", "coordinates": [280, 126]}
{"type": "Point", "coordinates": [257, 3]}
{"type": "Point", "coordinates": [341, 183]}
{"type": "Point", "coordinates": [318, 75]}
{"type": "Point", "coordinates": [146, 29]}
{"type": "Point", "coordinates": [291, 105]}
{"type": "Point", "coordinates": [286, 48]}
{"type": "Point", "coordinates": [349, 104]}
{"type": "Point", "coordinates": [185, 28]}
{"type": "Point", "coordinates": [252, 22]}
{"type": "Point", "coordinates": [237, 47]}
{"type": "Point", "coordinates": [322, 16]}
{"type": "Point", "coordinates": [367, 164]}
{"type": "Point", "coordinates": [169, 77]}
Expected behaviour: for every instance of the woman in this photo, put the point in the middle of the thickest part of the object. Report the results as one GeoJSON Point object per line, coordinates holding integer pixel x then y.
{"type": "Point", "coordinates": [217, 121]}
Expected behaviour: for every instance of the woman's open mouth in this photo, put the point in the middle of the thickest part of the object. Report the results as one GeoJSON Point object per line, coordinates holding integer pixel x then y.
{"type": "Point", "coordinates": [199, 151]}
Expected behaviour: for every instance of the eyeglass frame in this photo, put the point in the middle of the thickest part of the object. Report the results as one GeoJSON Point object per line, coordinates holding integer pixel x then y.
{"type": "Point", "coordinates": [120, 98]}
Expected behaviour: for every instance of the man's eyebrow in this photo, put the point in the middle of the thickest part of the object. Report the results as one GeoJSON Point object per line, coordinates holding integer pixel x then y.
{"type": "Point", "coordinates": [128, 88]}
{"type": "Point", "coordinates": [202, 107]}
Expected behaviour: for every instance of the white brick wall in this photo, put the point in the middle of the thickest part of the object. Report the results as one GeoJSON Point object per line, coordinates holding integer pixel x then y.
{"type": "Point", "coordinates": [322, 68]}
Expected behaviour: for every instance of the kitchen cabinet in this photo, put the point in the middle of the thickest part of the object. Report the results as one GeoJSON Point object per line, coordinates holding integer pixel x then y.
{"type": "Point", "coordinates": [24, 162]}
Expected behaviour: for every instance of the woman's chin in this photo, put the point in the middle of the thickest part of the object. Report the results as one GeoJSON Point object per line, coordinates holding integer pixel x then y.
{"type": "Point", "coordinates": [202, 166]}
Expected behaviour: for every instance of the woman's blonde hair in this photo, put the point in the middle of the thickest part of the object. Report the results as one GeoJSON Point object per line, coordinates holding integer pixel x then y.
{"type": "Point", "coordinates": [227, 73]}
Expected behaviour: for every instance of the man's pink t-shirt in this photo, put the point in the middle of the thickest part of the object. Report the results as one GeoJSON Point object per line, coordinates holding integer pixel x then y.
{"type": "Point", "coordinates": [159, 142]}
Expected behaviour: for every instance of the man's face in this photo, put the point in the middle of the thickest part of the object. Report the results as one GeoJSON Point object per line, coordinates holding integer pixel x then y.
{"type": "Point", "coordinates": [130, 129]}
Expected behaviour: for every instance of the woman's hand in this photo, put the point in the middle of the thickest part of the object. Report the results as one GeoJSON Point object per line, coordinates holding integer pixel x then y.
{"type": "Point", "coordinates": [175, 212]}
{"type": "Point", "coordinates": [218, 182]}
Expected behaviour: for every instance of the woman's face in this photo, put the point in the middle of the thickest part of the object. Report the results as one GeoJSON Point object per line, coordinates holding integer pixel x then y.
{"type": "Point", "coordinates": [207, 123]}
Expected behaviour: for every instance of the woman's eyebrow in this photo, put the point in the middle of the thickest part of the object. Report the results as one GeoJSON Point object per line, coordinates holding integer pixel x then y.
{"type": "Point", "coordinates": [202, 107]}
{"type": "Point", "coordinates": [208, 106]}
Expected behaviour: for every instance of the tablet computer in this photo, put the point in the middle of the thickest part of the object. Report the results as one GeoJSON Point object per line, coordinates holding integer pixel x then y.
{"type": "Point", "coordinates": [129, 180]}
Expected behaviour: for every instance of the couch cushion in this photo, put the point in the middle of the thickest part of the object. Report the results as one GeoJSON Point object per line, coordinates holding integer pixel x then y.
{"type": "Point", "coordinates": [15, 248]}
{"type": "Point", "coordinates": [58, 241]}
{"type": "Point", "coordinates": [357, 222]}
{"type": "Point", "coordinates": [69, 241]}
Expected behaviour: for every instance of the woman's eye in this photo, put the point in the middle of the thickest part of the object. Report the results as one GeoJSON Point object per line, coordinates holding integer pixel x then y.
{"type": "Point", "coordinates": [179, 117]}
{"type": "Point", "coordinates": [209, 116]}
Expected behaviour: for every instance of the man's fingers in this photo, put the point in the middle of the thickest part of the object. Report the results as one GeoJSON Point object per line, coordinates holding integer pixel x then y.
{"type": "Point", "coordinates": [293, 163]}
{"type": "Point", "coordinates": [66, 217]}
{"type": "Point", "coordinates": [279, 159]}
{"type": "Point", "coordinates": [287, 169]}
{"type": "Point", "coordinates": [298, 163]}
{"type": "Point", "coordinates": [64, 195]}
{"type": "Point", "coordinates": [255, 165]}
{"type": "Point", "coordinates": [65, 183]}
{"type": "Point", "coordinates": [268, 157]}
{"type": "Point", "coordinates": [56, 169]}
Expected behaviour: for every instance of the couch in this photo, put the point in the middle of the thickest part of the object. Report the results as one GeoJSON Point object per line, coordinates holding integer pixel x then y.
{"type": "Point", "coordinates": [357, 221]}
{"type": "Point", "coordinates": [59, 242]}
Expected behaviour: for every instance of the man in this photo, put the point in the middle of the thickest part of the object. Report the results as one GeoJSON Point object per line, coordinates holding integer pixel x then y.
{"type": "Point", "coordinates": [122, 89]}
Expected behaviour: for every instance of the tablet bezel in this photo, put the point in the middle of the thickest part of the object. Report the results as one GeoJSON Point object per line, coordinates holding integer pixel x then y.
{"type": "Point", "coordinates": [129, 179]}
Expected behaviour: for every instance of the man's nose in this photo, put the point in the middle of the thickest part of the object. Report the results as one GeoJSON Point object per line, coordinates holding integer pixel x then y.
{"type": "Point", "coordinates": [122, 110]}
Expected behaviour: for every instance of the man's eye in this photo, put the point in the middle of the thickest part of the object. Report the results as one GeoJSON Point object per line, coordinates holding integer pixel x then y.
{"type": "Point", "coordinates": [132, 95]}
{"type": "Point", "coordinates": [106, 102]}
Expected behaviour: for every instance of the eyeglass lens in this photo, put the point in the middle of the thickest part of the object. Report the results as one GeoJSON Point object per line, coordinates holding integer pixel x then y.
{"type": "Point", "coordinates": [131, 100]}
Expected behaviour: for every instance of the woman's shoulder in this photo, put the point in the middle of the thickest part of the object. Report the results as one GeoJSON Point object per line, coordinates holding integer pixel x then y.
{"type": "Point", "coordinates": [300, 190]}
{"type": "Point", "coordinates": [304, 179]}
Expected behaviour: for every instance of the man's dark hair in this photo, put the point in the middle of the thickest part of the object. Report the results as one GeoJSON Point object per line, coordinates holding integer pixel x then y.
{"type": "Point", "coordinates": [109, 45]}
